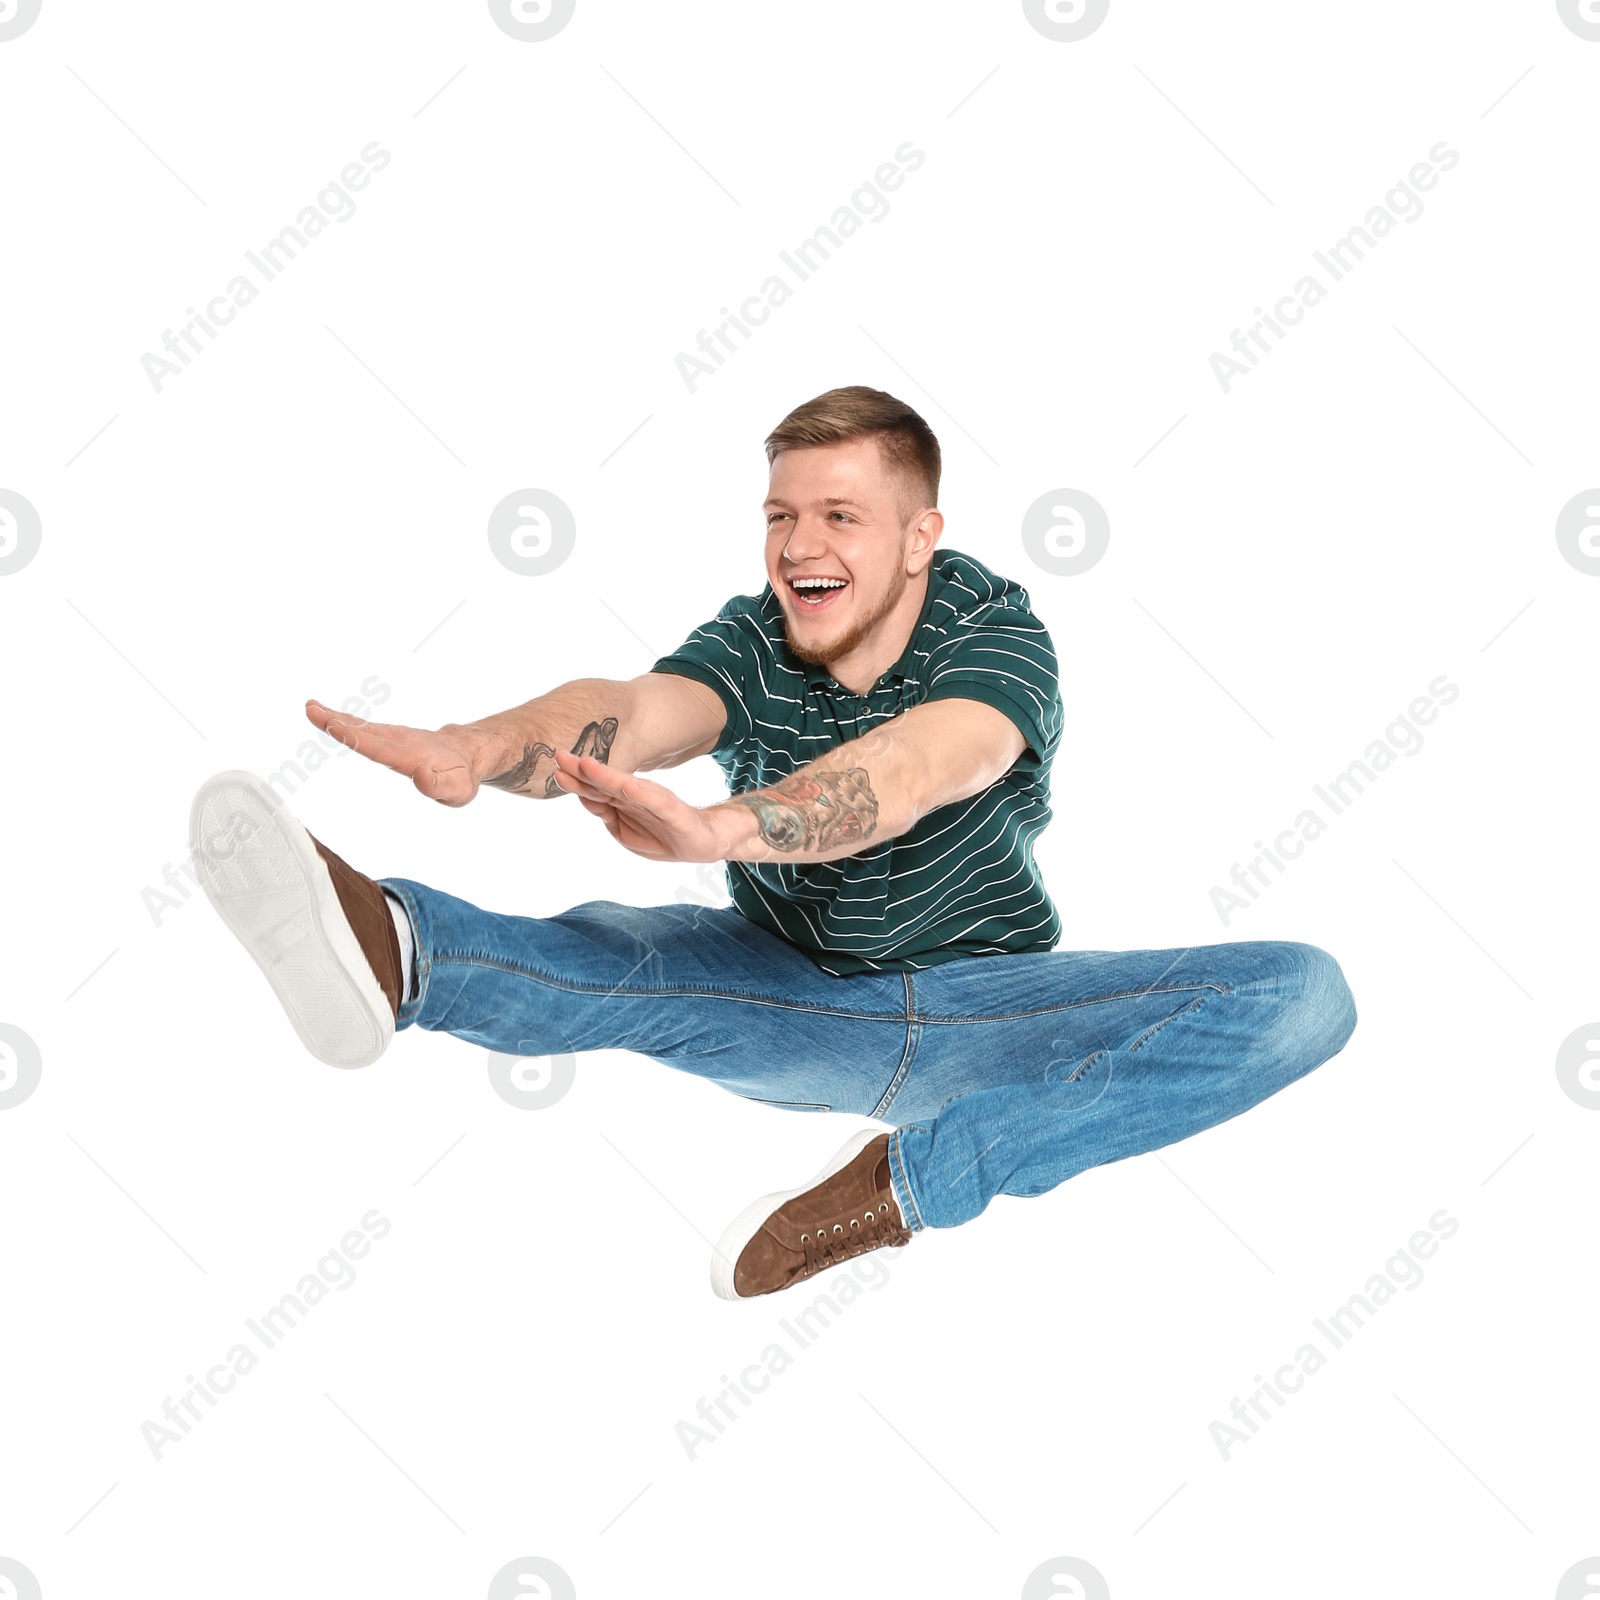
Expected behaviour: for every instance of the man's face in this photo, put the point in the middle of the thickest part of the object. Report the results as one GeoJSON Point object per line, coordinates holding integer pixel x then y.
{"type": "Point", "coordinates": [834, 512]}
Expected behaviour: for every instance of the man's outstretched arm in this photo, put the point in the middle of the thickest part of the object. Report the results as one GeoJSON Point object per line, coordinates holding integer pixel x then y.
{"type": "Point", "coordinates": [637, 724]}
{"type": "Point", "coordinates": [865, 790]}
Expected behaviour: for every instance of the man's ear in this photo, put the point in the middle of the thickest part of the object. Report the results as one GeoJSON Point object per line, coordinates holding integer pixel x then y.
{"type": "Point", "coordinates": [926, 526]}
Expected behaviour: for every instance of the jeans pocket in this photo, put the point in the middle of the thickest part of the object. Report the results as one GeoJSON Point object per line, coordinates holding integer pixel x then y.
{"type": "Point", "coordinates": [789, 1105]}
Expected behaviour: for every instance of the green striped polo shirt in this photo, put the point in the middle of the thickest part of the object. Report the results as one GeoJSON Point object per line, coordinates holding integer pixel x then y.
{"type": "Point", "coordinates": [962, 881]}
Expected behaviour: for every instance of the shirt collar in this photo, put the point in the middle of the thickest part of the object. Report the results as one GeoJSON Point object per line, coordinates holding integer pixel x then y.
{"type": "Point", "coordinates": [902, 669]}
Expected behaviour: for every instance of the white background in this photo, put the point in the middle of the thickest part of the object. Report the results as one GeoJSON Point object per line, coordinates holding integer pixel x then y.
{"type": "Point", "coordinates": [305, 506]}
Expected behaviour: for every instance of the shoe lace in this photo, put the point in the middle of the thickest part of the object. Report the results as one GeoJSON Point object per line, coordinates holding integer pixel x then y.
{"type": "Point", "coordinates": [830, 1244]}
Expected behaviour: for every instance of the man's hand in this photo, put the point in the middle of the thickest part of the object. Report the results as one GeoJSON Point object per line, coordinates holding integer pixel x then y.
{"type": "Point", "coordinates": [648, 818]}
{"type": "Point", "coordinates": [439, 763]}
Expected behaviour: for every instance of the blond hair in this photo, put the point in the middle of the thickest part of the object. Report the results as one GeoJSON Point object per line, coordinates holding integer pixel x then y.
{"type": "Point", "coordinates": [906, 442]}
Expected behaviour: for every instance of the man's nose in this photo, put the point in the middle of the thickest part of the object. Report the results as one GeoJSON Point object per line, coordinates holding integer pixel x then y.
{"type": "Point", "coordinates": [808, 540]}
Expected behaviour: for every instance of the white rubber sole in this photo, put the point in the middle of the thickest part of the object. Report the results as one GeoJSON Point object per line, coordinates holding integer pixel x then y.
{"type": "Point", "coordinates": [260, 869]}
{"type": "Point", "coordinates": [747, 1224]}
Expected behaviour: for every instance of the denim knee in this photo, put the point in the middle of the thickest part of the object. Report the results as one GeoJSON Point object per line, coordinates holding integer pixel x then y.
{"type": "Point", "coordinates": [1323, 1011]}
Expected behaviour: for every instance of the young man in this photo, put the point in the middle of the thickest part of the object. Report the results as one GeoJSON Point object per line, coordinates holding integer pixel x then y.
{"type": "Point", "coordinates": [886, 715]}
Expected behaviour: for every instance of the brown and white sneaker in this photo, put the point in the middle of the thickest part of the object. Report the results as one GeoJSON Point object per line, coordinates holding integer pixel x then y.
{"type": "Point", "coordinates": [318, 929]}
{"type": "Point", "coordinates": [782, 1239]}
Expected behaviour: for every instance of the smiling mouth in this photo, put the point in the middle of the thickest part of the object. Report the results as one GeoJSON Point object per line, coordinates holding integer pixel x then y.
{"type": "Point", "coordinates": [813, 594]}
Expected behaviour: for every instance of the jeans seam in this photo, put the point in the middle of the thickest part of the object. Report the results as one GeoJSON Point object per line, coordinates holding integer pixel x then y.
{"type": "Point", "coordinates": [913, 1034]}
{"type": "Point", "coordinates": [897, 1168]}
{"type": "Point", "coordinates": [1087, 1062]}
{"type": "Point", "coordinates": [467, 958]}
{"type": "Point", "coordinates": [1198, 1000]}
{"type": "Point", "coordinates": [1072, 1005]}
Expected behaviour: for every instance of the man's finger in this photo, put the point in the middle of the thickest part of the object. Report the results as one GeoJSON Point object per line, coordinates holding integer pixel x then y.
{"type": "Point", "coordinates": [356, 733]}
{"type": "Point", "coordinates": [329, 722]}
{"type": "Point", "coordinates": [589, 770]}
{"type": "Point", "coordinates": [588, 791]}
{"type": "Point", "coordinates": [572, 785]}
{"type": "Point", "coordinates": [627, 790]}
{"type": "Point", "coordinates": [570, 768]}
{"type": "Point", "coordinates": [322, 715]}
{"type": "Point", "coordinates": [595, 771]}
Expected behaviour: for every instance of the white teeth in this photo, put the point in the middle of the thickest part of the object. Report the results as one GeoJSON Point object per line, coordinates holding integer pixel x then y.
{"type": "Point", "coordinates": [818, 583]}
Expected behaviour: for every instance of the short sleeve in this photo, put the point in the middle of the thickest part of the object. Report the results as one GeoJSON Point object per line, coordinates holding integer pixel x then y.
{"type": "Point", "coordinates": [718, 654]}
{"type": "Point", "coordinates": [1003, 657]}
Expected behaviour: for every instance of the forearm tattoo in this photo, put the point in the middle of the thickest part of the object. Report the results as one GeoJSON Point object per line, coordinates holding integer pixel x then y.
{"type": "Point", "coordinates": [595, 740]}
{"type": "Point", "coordinates": [815, 811]}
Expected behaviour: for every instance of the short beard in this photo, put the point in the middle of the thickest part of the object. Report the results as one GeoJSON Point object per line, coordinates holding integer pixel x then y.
{"type": "Point", "coordinates": [843, 646]}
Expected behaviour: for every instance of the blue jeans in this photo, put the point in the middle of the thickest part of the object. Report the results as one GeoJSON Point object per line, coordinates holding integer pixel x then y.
{"type": "Point", "coordinates": [1002, 1074]}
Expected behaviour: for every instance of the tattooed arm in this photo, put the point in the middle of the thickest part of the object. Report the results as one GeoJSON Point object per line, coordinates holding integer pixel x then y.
{"type": "Point", "coordinates": [654, 721]}
{"type": "Point", "coordinates": [816, 810]}
{"type": "Point", "coordinates": [639, 724]}
{"type": "Point", "coordinates": [879, 785]}
{"type": "Point", "coordinates": [538, 760]}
